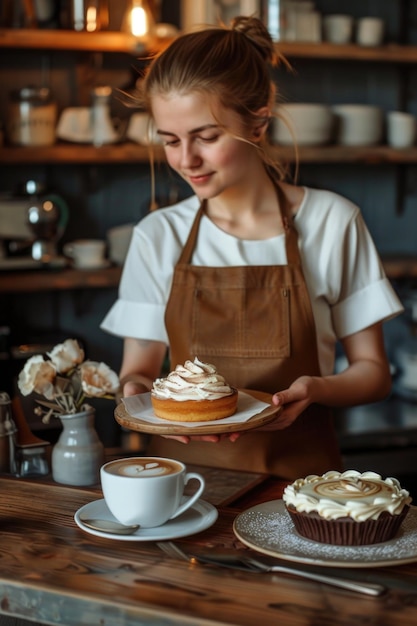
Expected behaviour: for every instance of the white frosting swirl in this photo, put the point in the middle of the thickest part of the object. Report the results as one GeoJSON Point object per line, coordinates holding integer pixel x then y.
{"type": "Point", "coordinates": [194, 380]}
{"type": "Point", "coordinates": [348, 494]}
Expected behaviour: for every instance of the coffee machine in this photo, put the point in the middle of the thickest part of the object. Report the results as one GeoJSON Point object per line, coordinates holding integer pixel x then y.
{"type": "Point", "coordinates": [32, 221]}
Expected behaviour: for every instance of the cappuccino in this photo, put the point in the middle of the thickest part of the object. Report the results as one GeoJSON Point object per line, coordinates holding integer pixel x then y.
{"type": "Point", "coordinates": [148, 491]}
{"type": "Point", "coordinates": [144, 467]}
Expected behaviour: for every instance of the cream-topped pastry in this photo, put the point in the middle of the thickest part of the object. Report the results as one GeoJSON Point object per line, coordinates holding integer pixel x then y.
{"type": "Point", "coordinates": [194, 380]}
{"type": "Point", "coordinates": [369, 508]}
{"type": "Point", "coordinates": [348, 494]}
{"type": "Point", "coordinates": [194, 391]}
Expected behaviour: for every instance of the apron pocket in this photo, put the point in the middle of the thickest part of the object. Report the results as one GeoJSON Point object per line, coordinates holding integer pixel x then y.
{"type": "Point", "coordinates": [241, 323]}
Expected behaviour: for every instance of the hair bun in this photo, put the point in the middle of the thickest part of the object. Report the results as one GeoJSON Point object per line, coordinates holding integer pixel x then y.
{"type": "Point", "coordinates": [256, 31]}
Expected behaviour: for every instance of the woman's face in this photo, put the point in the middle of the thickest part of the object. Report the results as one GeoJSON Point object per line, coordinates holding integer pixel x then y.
{"type": "Point", "coordinates": [201, 143]}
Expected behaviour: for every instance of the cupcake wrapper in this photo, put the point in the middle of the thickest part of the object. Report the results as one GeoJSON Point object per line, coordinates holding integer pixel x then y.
{"type": "Point", "coordinates": [345, 531]}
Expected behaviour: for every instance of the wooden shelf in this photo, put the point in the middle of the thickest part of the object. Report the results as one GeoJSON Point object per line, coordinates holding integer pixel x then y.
{"type": "Point", "coordinates": [103, 41]}
{"type": "Point", "coordinates": [30, 281]}
{"type": "Point", "coordinates": [114, 41]}
{"type": "Point", "coordinates": [400, 267]}
{"type": "Point", "coordinates": [391, 53]}
{"type": "Point", "coordinates": [134, 153]}
{"type": "Point", "coordinates": [79, 154]}
{"type": "Point", "coordinates": [369, 155]}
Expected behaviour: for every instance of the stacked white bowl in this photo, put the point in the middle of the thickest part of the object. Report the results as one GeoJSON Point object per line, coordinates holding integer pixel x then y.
{"type": "Point", "coordinates": [358, 124]}
{"type": "Point", "coordinates": [306, 124]}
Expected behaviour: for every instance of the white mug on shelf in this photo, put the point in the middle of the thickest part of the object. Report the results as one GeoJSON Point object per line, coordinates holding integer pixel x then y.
{"type": "Point", "coordinates": [338, 28]}
{"type": "Point", "coordinates": [370, 31]}
{"type": "Point", "coordinates": [401, 129]}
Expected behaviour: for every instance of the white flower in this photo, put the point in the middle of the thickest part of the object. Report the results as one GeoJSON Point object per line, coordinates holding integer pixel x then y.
{"type": "Point", "coordinates": [66, 380]}
{"type": "Point", "coordinates": [39, 376]}
{"type": "Point", "coordinates": [65, 356]}
{"type": "Point", "coordinates": [98, 380]}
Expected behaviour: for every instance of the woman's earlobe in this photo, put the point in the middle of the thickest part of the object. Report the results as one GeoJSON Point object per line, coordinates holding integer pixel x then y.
{"type": "Point", "coordinates": [261, 125]}
{"type": "Point", "coordinates": [260, 130]}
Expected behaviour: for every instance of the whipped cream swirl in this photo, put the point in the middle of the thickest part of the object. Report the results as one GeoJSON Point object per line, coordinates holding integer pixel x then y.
{"type": "Point", "coordinates": [194, 380]}
{"type": "Point", "coordinates": [348, 494]}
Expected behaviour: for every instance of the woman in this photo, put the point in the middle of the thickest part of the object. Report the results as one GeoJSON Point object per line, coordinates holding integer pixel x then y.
{"type": "Point", "coordinates": [253, 274]}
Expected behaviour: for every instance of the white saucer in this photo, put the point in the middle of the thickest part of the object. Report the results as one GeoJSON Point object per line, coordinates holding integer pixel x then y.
{"type": "Point", "coordinates": [200, 516]}
{"type": "Point", "coordinates": [97, 266]}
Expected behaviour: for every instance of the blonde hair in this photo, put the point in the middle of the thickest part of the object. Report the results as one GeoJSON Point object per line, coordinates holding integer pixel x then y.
{"type": "Point", "coordinates": [232, 64]}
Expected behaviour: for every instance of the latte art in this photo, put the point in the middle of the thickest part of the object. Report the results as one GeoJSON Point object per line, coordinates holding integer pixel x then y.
{"type": "Point", "coordinates": [144, 468]}
{"type": "Point", "coordinates": [349, 488]}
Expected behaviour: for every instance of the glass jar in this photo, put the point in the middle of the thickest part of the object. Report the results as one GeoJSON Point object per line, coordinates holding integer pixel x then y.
{"type": "Point", "coordinates": [32, 116]}
{"type": "Point", "coordinates": [87, 15]}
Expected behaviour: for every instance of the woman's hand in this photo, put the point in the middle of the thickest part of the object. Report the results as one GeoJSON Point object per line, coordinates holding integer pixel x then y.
{"type": "Point", "coordinates": [366, 379]}
{"type": "Point", "coordinates": [293, 400]}
{"type": "Point", "coordinates": [142, 361]}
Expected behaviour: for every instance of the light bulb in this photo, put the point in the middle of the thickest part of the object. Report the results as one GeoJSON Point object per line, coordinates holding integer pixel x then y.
{"type": "Point", "coordinates": [91, 19]}
{"type": "Point", "coordinates": [138, 18]}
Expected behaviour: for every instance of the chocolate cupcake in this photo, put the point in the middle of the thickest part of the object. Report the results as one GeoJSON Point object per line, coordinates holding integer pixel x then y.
{"type": "Point", "coordinates": [347, 509]}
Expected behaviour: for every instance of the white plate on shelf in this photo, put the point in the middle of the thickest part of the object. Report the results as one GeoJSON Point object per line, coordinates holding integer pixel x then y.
{"type": "Point", "coordinates": [199, 517]}
{"type": "Point", "coordinates": [267, 528]}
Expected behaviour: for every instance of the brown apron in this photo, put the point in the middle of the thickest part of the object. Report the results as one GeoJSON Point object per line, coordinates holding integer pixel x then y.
{"type": "Point", "coordinates": [256, 325]}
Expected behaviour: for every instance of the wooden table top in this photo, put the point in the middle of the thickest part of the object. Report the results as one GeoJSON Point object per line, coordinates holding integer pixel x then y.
{"type": "Point", "coordinates": [53, 572]}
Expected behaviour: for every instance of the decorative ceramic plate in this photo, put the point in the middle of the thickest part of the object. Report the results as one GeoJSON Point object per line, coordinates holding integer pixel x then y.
{"type": "Point", "coordinates": [262, 414]}
{"type": "Point", "coordinates": [267, 528]}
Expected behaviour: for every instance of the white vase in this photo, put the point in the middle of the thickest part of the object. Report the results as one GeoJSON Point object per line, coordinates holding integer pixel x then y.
{"type": "Point", "coordinates": [78, 454]}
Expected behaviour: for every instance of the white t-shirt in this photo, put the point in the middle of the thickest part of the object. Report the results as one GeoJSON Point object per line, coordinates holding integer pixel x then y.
{"type": "Point", "coordinates": [346, 281]}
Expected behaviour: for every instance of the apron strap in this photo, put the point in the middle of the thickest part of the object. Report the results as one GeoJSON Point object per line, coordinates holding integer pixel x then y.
{"type": "Point", "coordinates": [291, 235]}
{"type": "Point", "coordinates": [188, 249]}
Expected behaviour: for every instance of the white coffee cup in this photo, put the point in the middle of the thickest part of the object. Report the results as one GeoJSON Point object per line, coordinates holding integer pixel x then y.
{"type": "Point", "coordinates": [338, 28]}
{"type": "Point", "coordinates": [370, 31]}
{"type": "Point", "coordinates": [147, 490]}
{"type": "Point", "coordinates": [86, 253]}
{"type": "Point", "coordinates": [401, 129]}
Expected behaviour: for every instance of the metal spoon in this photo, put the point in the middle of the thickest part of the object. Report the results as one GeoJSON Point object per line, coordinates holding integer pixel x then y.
{"type": "Point", "coordinates": [108, 526]}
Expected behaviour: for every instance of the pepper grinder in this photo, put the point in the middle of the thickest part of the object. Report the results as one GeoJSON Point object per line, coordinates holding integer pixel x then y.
{"type": "Point", "coordinates": [7, 435]}
{"type": "Point", "coordinates": [30, 450]}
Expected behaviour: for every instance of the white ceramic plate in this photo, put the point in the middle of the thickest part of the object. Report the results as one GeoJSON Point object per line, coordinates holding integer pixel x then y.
{"type": "Point", "coordinates": [267, 528]}
{"type": "Point", "coordinates": [199, 517]}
